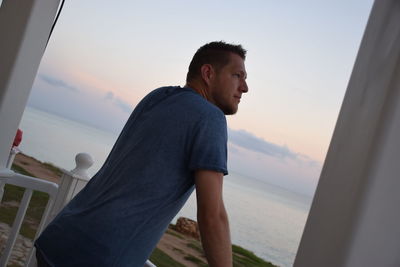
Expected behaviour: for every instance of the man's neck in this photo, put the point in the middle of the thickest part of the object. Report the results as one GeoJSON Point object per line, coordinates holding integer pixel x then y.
{"type": "Point", "coordinates": [199, 89]}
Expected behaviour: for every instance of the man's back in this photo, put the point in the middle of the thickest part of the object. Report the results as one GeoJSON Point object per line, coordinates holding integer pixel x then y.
{"type": "Point", "coordinates": [118, 218]}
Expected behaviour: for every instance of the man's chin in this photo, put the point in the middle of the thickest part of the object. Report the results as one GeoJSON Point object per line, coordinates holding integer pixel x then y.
{"type": "Point", "coordinates": [230, 111]}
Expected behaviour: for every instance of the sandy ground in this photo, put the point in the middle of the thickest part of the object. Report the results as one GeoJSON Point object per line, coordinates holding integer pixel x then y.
{"type": "Point", "coordinates": [178, 249]}
{"type": "Point", "coordinates": [36, 168]}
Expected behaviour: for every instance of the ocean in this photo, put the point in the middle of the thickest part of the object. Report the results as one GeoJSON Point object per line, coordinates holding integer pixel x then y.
{"type": "Point", "coordinates": [264, 218]}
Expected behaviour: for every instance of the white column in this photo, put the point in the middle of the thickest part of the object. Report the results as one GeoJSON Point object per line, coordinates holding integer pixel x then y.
{"type": "Point", "coordinates": [354, 219]}
{"type": "Point", "coordinates": [24, 28]}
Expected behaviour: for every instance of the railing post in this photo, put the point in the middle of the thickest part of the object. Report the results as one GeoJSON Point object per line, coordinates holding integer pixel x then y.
{"type": "Point", "coordinates": [148, 263]}
{"type": "Point", "coordinates": [16, 227]}
{"type": "Point", "coordinates": [31, 184]}
{"type": "Point", "coordinates": [72, 182]}
{"type": "Point", "coordinates": [14, 151]}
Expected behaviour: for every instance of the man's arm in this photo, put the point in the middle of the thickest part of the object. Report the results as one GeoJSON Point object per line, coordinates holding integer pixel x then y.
{"type": "Point", "coordinates": [213, 219]}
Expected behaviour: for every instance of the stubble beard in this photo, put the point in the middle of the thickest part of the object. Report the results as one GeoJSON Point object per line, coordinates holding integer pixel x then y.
{"type": "Point", "coordinates": [228, 109]}
{"type": "Point", "coordinates": [225, 106]}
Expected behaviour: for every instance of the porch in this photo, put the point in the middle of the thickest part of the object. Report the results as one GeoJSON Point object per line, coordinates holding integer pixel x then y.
{"type": "Point", "coordinates": [353, 219]}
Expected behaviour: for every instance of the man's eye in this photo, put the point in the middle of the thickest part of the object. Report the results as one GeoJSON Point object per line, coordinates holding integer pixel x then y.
{"type": "Point", "coordinates": [236, 75]}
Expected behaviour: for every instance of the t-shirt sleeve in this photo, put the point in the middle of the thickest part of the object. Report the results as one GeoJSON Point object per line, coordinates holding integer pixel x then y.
{"type": "Point", "coordinates": [209, 147]}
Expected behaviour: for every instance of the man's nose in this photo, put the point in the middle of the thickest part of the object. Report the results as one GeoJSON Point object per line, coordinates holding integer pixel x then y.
{"type": "Point", "coordinates": [244, 88]}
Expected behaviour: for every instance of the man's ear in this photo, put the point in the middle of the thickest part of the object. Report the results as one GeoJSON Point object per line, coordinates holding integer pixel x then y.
{"type": "Point", "coordinates": [207, 73]}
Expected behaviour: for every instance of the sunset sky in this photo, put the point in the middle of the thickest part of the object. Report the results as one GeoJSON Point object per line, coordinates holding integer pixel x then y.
{"type": "Point", "coordinates": [105, 56]}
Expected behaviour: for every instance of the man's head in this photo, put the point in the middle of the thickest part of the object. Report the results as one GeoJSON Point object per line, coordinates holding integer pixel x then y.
{"type": "Point", "coordinates": [216, 54]}
{"type": "Point", "coordinates": [217, 72]}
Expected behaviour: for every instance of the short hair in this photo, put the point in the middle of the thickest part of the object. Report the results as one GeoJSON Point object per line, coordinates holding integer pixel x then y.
{"type": "Point", "coordinates": [215, 53]}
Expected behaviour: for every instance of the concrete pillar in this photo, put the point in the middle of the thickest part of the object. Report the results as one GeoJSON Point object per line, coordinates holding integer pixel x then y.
{"type": "Point", "coordinates": [354, 219]}
{"type": "Point", "coordinates": [24, 29]}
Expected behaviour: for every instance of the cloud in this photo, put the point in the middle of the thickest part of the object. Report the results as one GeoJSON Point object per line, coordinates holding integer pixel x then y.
{"type": "Point", "coordinates": [124, 106]}
{"type": "Point", "coordinates": [293, 175]}
{"type": "Point", "coordinates": [117, 102]}
{"type": "Point", "coordinates": [109, 96]}
{"type": "Point", "coordinates": [249, 141]}
{"type": "Point", "coordinates": [57, 82]}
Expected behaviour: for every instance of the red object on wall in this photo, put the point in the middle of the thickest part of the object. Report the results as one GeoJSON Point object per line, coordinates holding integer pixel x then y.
{"type": "Point", "coordinates": [18, 138]}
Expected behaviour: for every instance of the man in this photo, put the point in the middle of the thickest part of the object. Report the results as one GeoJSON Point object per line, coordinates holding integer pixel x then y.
{"type": "Point", "coordinates": [175, 140]}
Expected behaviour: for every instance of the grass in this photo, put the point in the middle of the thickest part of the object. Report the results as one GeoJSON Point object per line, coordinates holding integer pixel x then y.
{"type": "Point", "coordinates": [53, 168]}
{"type": "Point", "coordinates": [244, 257]}
{"type": "Point", "coordinates": [179, 250]}
{"type": "Point", "coordinates": [33, 215]}
{"type": "Point", "coordinates": [161, 259]}
{"type": "Point", "coordinates": [7, 214]}
{"type": "Point", "coordinates": [8, 209]}
{"type": "Point", "coordinates": [21, 170]}
{"type": "Point", "coordinates": [174, 234]}
{"type": "Point", "coordinates": [195, 260]}
{"type": "Point", "coordinates": [56, 170]}
{"type": "Point", "coordinates": [241, 257]}
{"type": "Point", "coordinates": [196, 246]}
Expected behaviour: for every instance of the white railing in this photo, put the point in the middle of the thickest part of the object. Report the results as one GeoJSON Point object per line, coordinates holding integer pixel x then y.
{"type": "Point", "coordinates": [9, 177]}
{"type": "Point", "coordinates": [59, 195]}
{"type": "Point", "coordinates": [149, 264]}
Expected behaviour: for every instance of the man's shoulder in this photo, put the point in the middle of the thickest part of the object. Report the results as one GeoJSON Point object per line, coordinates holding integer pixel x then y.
{"type": "Point", "coordinates": [187, 98]}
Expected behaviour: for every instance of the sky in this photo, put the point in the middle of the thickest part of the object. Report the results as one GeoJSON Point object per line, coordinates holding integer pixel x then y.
{"type": "Point", "coordinates": [103, 57]}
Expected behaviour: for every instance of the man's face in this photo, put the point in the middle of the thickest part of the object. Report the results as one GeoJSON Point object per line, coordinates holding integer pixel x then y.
{"type": "Point", "coordinates": [228, 85]}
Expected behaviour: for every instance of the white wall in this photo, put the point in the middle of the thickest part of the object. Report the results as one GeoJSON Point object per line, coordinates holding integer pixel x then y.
{"type": "Point", "coordinates": [354, 219]}
{"type": "Point", "coordinates": [376, 237]}
{"type": "Point", "coordinates": [24, 28]}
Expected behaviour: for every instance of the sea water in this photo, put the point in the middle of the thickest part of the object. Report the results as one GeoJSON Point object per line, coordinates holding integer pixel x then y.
{"type": "Point", "coordinates": [57, 140]}
{"type": "Point", "coordinates": [265, 219]}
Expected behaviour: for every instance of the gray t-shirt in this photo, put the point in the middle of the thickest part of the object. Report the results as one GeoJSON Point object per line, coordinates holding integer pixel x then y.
{"type": "Point", "coordinates": [119, 217]}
